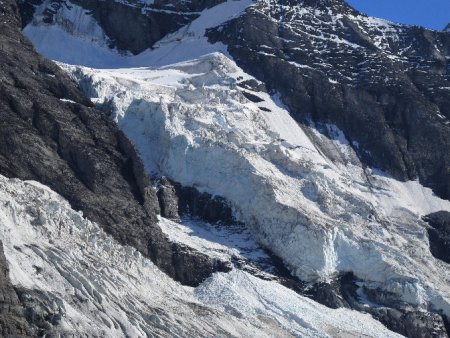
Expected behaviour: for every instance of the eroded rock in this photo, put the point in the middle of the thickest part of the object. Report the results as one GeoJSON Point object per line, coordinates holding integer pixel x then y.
{"type": "Point", "coordinates": [50, 133]}
{"type": "Point", "coordinates": [439, 234]}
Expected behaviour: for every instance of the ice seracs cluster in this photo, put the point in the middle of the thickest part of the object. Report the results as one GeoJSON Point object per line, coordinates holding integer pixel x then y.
{"type": "Point", "coordinates": [300, 189]}
{"type": "Point", "coordinates": [321, 215]}
{"type": "Point", "coordinates": [95, 285]}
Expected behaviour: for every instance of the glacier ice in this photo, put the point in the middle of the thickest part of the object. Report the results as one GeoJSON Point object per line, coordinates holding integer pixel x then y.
{"type": "Point", "coordinates": [321, 214]}
{"type": "Point", "coordinates": [113, 291]}
{"type": "Point", "coordinates": [80, 40]}
{"type": "Point", "coordinates": [300, 189]}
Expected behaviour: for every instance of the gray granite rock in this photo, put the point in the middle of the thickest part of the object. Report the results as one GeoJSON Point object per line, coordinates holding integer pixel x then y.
{"type": "Point", "coordinates": [387, 91]}
{"type": "Point", "coordinates": [439, 234]}
{"type": "Point", "coordinates": [12, 318]}
{"type": "Point", "coordinates": [50, 132]}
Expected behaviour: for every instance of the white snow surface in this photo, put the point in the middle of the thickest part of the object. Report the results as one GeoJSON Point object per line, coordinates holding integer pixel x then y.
{"type": "Point", "coordinates": [218, 241]}
{"type": "Point", "coordinates": [76, 38]}
{"type": "Point", "coordinates": [322, 214]}
{"type": "Point", "coordinates": [191, 122]}
{"type": "Point", "coordinates": [104, 289]}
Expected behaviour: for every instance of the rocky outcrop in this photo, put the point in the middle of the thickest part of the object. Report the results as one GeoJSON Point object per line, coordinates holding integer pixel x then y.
{"type": "Point", "coordinates": [439, 234]}
{"type": "Point", "coordinates": [132, 28]}
{"type": "Point", "coordinates": [12, 318]}
{"type": "Point", "coordinates": [177, 201]}
{"type": "Point", "coordinates": [41, 313]}
{"type": "Point", "coordinates": [414, 324]}
{"type": "Point", "coordinates": [343, 291]}
{"type": "Point", "coordinates": [49, 132]}
{"type": "Point", "coordinates": [27, 10]}
{"type": "Point", "coordinates": [385, 85]}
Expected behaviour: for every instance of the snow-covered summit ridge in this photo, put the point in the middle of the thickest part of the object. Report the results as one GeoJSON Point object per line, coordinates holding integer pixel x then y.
{"type": "Point", "coordinates": [97, 287]}
{"type": "Point", "coordinates": [82, 41]}
{"type": "Point", "coordinates": [323, 215]}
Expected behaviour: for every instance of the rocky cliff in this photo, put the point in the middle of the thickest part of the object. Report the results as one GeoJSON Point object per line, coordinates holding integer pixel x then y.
{"type": "Point", "coordinates": [52, 134]}
{"type": "Point", "coordinates": [12, 320]}
{"type": "Point", "coordinates": [386, 86]}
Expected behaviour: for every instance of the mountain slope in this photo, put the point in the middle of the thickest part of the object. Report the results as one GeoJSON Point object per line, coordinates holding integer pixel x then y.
{"type": "Point", "coordinates": [282, 129]}
{"type": "Point", "coordinates": [319, 215]}
{"type": "Point", "coordinates": [384, 85]}
{"type": "Point", "coordinates": [51, 133]}
{"type": "Point", "coordinates": [76, 280]}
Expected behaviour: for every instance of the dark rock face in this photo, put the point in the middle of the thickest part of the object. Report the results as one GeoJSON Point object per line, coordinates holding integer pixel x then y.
{"type": "Point", "coordinates": [26, 10]}
{"type": "Point", "coordinates": [401, 318]}
{"type": "Point", "coordinates": [177, 201]}
{"type": "Point", "coordinates": [385, 86]}
{"type": "Point", "coordinates": [168, 199]}
{"type": "Point", "coordinates": [49, 132]}
{"type": "Point", "coordinates": [185, 5]}
{"type": "Point", "coordinates": [132, 28]}
{"type": "Point", "coordinates": [343, 292]}
{"type": "Point", "coordinates": [40, 313]}
{"type": "Point", "coordinates": [412, 324]}
{"type": "Point", "coordinates": [190, 271]}
{"type": "Point", "coordinates": [12, 319]}
{"type": "Point", "coordinates": [335, 294]}
{"type": "Point", "coordinates": [439, 234]}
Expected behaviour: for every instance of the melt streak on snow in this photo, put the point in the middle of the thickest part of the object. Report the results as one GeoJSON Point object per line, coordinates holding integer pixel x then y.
{"type": "Point", "coordinates": [101, 287]}
{"type": "Point", "coordinates": [191, 122]}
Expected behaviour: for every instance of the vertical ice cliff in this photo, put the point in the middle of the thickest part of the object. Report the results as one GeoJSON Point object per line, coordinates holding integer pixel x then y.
{"type": "Point", "coordinates": [322, 216]}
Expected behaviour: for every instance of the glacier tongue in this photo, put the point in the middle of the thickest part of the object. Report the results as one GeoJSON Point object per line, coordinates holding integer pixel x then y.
{"type": "Point", "coordinates": [199, 123]}
{"type": "Point", "coordinates": [93, 285]}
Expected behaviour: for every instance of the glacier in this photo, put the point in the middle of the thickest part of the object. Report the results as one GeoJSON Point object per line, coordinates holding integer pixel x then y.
{"type": "Point", "coordinates": [192, 122]}
{"type": "Point", "coordinates": [82, 41]}
{"type": "Point", "coordinates": [101, 287]}
{"type": "Point", "coordinates": [301, 190]}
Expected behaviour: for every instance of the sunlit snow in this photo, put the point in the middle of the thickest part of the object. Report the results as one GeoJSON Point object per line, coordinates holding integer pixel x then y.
{"type": "Point", "coordinates": [104, 288]}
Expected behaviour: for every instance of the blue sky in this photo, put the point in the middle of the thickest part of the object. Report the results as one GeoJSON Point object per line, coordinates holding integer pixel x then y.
{"type": "Point", "coordinates": [434, 14]}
